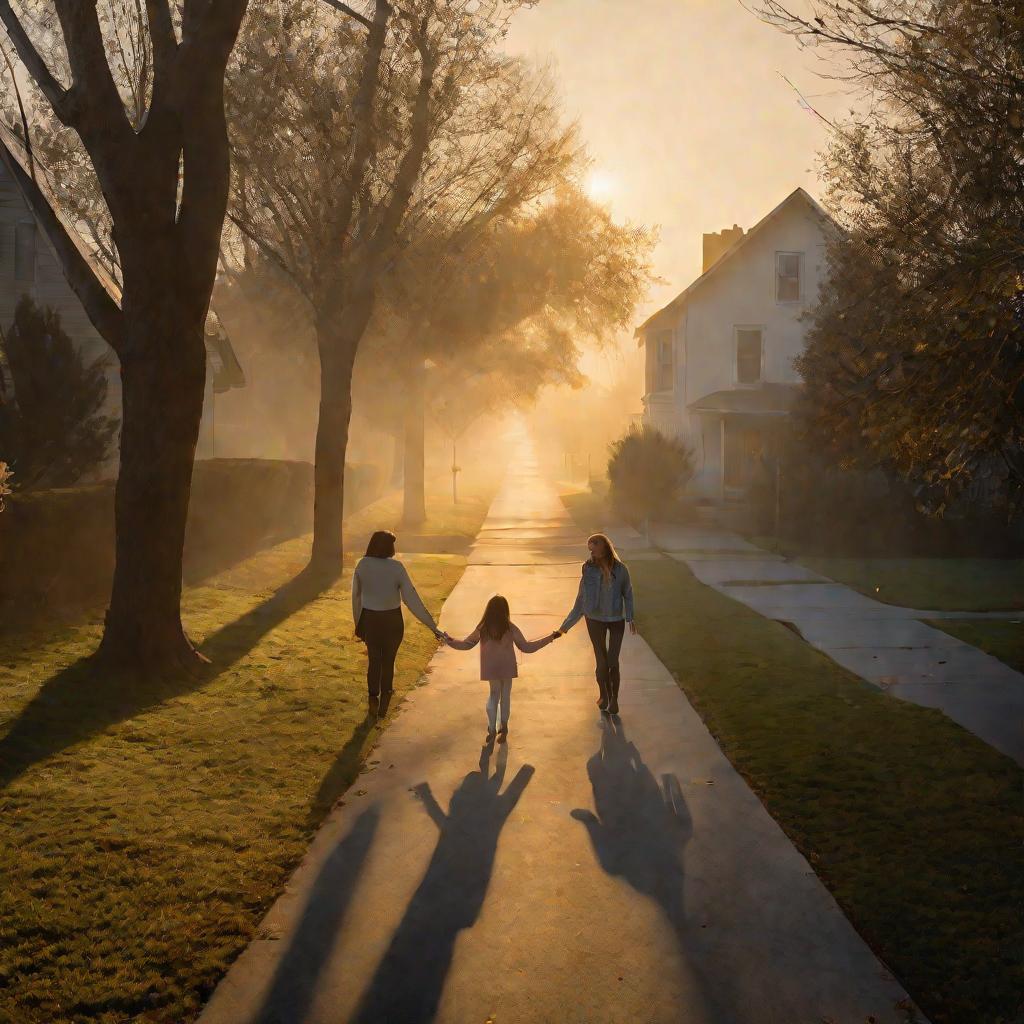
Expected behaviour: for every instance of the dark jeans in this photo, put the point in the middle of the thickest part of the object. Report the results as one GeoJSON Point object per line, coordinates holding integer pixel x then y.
{"type": "Point", "coordinates": [607, 640]}
{"type": "Point", "coordinates": [382, 632]}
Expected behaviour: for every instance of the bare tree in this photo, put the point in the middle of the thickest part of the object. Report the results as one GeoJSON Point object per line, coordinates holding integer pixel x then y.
{"type": "Point", "coordinates": [165, 180]}
{"type": "Point", "coordinates": [383, 117]}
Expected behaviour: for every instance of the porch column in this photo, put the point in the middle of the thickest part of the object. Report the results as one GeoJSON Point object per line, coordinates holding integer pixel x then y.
{"type": "Point", "coordinates": [721, 460]}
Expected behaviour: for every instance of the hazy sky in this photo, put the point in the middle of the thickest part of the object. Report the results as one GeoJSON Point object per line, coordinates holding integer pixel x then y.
{"type": "Point", "coordinates": [682, 107]}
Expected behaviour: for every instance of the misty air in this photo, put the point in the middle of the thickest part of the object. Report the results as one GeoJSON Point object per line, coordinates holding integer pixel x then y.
{"type": "Point", "coordinates": [511, 511]}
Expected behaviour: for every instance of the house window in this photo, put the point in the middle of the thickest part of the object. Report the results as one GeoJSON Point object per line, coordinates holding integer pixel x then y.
{"type": "Point", "coordinates": [662, 360]}
{"type": "Point", "coordinates": [749, 346]}
{"type": "Point", "coordinates": [788, 272]}
{"type": "Point", "coordinates": [24, 252]}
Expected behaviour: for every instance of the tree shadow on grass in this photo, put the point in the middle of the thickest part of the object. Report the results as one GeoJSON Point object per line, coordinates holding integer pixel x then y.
{"type": "Point", "coordinates": [409, 981]}
{"type": "Point", "coordinates": [86, 698]}
{"type": "Point", "coordinates": [297, 975]}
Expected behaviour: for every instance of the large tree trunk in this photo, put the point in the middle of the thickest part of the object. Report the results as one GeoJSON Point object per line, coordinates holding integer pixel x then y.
{"type": "Point", "coordinates": [338, 337]}
{"type": "Point", "coordinates": [414, 504]}
{"type": "Point", "coordinates": [163, 373]}
{"type": "Point", "coordinates": [398, 457]}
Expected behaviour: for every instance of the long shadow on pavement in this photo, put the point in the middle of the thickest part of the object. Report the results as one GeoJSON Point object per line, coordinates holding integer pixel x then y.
{"type": "Point", "coordinates": [409, 981]}
{"type": "Point", "coordinates": [295, 981]}
{"type": "Point", "coordinates": [639, 829]}
{"type": "Point", "coordinates": [341, 773]}
{"type": "Point", "coordinates": [87, 698]}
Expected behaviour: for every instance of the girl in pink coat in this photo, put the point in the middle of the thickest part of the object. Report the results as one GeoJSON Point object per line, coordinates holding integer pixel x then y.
{"type": "Point", "coordinates": [498, 636]}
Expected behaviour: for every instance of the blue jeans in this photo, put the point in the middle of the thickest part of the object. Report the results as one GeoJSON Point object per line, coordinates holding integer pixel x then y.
{"type": "Point", "coordinates": [607, 640]}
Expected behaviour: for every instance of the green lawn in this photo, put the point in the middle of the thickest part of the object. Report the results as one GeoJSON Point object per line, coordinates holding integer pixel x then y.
{"type": "Point", "coordinates": [914, 824]}
{"type": "Point", "coordinates": [937, 584]}
{"type": "Point", "coordinates": [1000, 638]}
{"type": "Point", "coordinates": [146, 825]}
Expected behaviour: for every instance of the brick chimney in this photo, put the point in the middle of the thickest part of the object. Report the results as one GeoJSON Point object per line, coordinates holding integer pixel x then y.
{"type": "Point", "coordinates": [716, 244]}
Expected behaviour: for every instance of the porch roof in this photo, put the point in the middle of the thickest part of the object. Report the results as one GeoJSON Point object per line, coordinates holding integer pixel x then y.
{"type": "Point", "coordinates": [766, 400]}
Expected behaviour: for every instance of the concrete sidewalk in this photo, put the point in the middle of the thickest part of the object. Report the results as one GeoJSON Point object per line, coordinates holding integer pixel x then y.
{"type": "Point", "coordinates": [886, 645]}
{"type": "Point", "coordinates": [593, 870]}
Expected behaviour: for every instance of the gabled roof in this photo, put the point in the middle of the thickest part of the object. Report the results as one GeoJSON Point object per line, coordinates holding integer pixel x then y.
{"type": "Point", "coordinates": [228, 372]}
{"type": "Point", "coordinates": [797, 195]}
{"type": "Point", "coordinates": [13, 149]}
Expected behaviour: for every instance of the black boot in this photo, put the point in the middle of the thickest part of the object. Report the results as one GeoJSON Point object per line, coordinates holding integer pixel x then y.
{"type": "Point", "coordinates": [602, 701]}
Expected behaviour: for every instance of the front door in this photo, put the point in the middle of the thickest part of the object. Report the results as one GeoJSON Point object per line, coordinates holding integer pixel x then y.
{"type": "Point", "coordinates": [743, 449]}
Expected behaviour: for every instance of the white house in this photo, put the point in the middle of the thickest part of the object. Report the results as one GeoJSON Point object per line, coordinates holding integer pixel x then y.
{"type": "Point", "coordinates": [30, 266]}
{"type": "Point", "coordinates": [719, 357]}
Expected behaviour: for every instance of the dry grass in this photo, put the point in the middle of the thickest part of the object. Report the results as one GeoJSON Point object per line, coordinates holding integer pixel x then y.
{"type": "Point", "coordinates": [147, 824]}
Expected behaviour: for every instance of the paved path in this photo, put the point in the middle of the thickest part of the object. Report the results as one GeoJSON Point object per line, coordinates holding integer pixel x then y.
{"type": "Point", "coordinates": [886, 645]}
{"type": "Point", "coordinates": [591, 871]}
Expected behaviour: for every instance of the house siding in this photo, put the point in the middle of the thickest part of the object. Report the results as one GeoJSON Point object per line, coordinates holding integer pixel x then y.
{"type": "Point", "coordinates": [741, 293]}
{"type": "Point", "coordinates": [49, 288]}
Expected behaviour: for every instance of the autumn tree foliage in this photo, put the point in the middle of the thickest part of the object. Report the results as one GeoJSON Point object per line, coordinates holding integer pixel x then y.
{"type": "Point", "coordinates": [380, 115]}
{"type": "Point", "coordinates": [915, 359]}
{"type": "Point", "coordinates": [507, 311]}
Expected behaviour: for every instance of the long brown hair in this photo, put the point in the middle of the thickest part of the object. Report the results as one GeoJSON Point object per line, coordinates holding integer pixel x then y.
{"type": "Point", "coordinates": [382, 545]}
{"type": "Point", "coordinates": [607, 563]}
{"type": "Point", "coordinates": [497, 619]}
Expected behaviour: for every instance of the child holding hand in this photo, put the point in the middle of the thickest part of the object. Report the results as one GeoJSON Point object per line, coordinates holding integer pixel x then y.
{"type": "Point", "coordinates": [498, 636]}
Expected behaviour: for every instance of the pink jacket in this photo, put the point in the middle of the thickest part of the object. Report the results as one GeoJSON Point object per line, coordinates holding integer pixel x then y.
{"type": "Point", "coordinates": [498, 657]}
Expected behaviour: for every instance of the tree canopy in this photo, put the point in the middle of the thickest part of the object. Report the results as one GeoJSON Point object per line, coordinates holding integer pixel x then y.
{"type": "Point", "coordinates": [915, 358]}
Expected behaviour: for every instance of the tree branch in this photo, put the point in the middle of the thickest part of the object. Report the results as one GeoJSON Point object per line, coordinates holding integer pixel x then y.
{"type": "Point", "coordinates": [345, 9]}
{"type": "Point", "coordinates": [55, 93]}
{"type": "Point", "coordinates": [99, 304]}
{"type": "Point", "coordinates": [104, 118]}
{"type": "Point", "coordinates": [412, 159]}
{"type": "Point", "coordinates": [363, 104]}
{"type": "Point", "coordinates": [161, 32]}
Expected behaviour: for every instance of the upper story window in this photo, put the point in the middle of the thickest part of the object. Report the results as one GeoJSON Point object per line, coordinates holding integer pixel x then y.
{"type": "Point", "coordinates": [789, 270]}
{"type": "Point", "coordinates": [25, 252]}
{"type": "Point", "coordinates": [749, 350]}
{"type": "Point", "coordinates": [661, 360]}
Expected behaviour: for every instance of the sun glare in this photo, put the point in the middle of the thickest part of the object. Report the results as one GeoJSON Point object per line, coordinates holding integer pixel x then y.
{"type": "Point", "coordinates": [600, 186]}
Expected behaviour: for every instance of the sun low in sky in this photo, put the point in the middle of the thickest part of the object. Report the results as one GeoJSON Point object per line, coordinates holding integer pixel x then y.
{"type": "Point", "coordinates": [685, 113]}
{"type": "Point", "coordinates": [600, 185]}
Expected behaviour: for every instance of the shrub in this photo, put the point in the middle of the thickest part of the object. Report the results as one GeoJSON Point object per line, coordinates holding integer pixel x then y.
{"type": "Point", "coordinates": [57, 550]}
{"type": "Point", "coordinates": [52, 427]}
{"type": "Point", "coordinates": [832, 510]}
{"type": "Point", "coordinates": [647, 472]}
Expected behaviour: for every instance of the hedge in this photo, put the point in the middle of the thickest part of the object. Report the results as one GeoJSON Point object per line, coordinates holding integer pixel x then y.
{"type": "Point", "coordinates": [57, 547]}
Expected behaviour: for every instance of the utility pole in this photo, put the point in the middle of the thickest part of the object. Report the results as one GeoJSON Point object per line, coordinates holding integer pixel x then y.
{"type": "Point", "coordinates": [455, 476]}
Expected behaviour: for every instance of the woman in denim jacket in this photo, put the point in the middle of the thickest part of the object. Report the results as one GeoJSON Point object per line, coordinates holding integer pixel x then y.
{"type": "Point", "coordinates": [605, 600]}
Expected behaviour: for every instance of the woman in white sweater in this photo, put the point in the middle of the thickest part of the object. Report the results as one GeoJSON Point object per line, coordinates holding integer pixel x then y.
{"type": "Point", "coordinates": [380, 583]}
